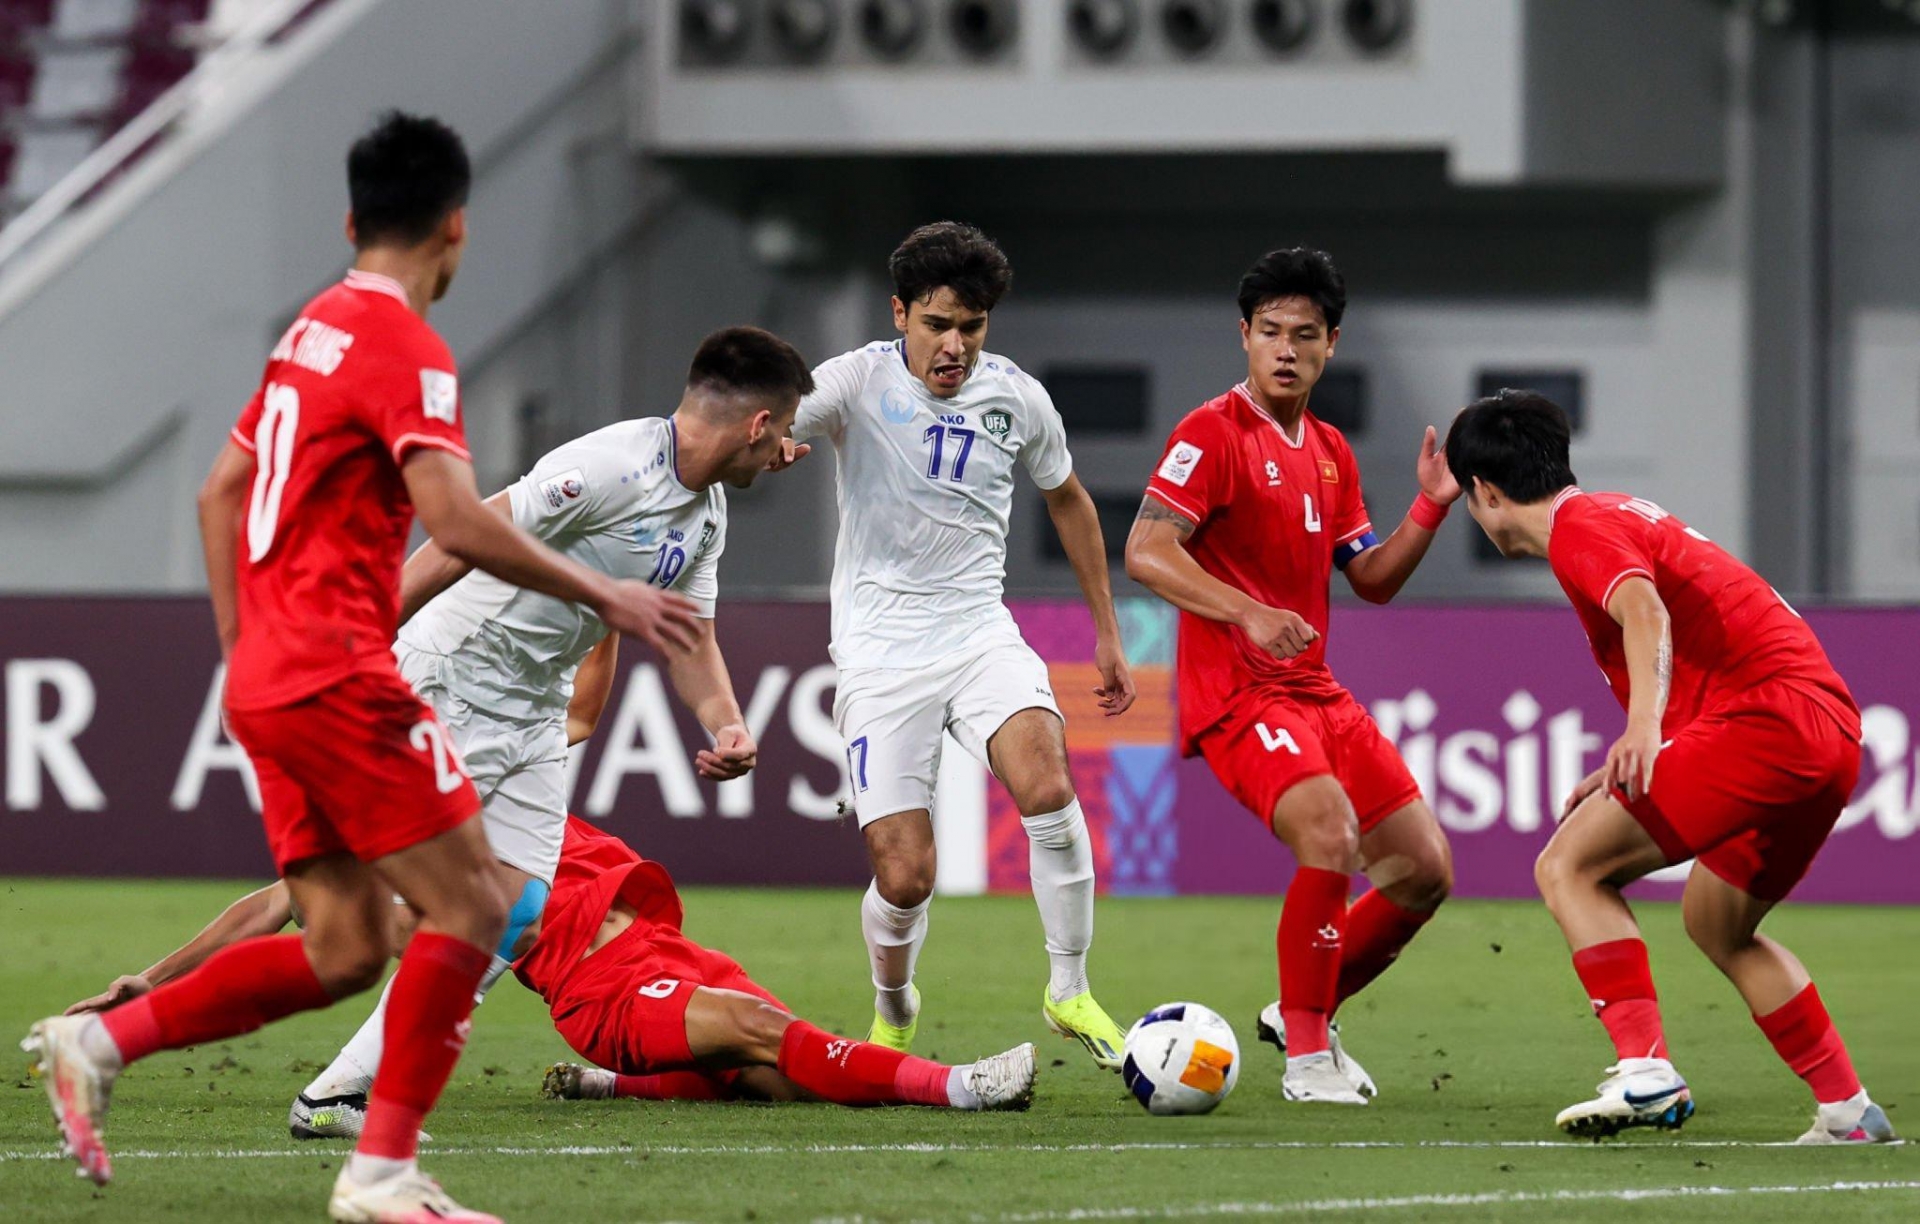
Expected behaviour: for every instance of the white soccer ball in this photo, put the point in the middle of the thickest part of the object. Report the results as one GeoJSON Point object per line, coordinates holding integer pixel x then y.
{"type": "Point", "coordinates": [1181, 1058]}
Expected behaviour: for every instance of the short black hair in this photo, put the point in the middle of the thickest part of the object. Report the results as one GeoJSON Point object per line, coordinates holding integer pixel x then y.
{"type": "Point", "coordinates": [956, 256]}
{"type": "Point", "coordinates": [1517, 440]}
{"type": "Point", "coordinates": [751, 361]}
{"type": "Point", "coordinates": [404, 175]}
{"type": "Point", "coordinates": [1295, 272]}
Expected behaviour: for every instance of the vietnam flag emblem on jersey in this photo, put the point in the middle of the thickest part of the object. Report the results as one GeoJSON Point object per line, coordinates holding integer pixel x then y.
{"type": "Point", "coordinates": [1328, 472]}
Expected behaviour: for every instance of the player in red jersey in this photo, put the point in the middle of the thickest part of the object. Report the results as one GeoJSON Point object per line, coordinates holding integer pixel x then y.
{"type": "Point", "coordinates": [305, 516]}
{"type": "Point", "coordinates": [1255, 503]}
{"type": "Point", "coordinates": [666, 1018]}
{"type": "Point", "coordinates": [1741, 748]}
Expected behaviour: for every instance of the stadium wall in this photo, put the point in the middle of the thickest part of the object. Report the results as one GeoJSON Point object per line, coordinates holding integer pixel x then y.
{"type": "Point", "coordinates": [116, 763]}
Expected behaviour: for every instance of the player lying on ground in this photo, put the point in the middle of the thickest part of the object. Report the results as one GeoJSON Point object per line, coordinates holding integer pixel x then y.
{"type": "Point", "coordinates": [643, 499]}
{"type": "Point", "coordinates": [1255, 503]}
{"type": "Point", "coordinates": [927, 431]}
{"type": "Point", "coordinates": [355, 426]}
{"type": "Point", "coordinates": [665, 1017]}
{"type": "Point", "coordinates": [1741, 748]}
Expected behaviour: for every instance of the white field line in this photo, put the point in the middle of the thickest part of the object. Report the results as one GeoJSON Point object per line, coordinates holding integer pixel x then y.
{"type": "Point", "coordinates": [832, 1149]}
{"type": "Point", "coordinates": [1495, 1198]}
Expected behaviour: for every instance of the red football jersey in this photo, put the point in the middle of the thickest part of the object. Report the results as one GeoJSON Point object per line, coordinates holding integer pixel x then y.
{"type": "Point", "coordinates": [596, 868]}
{"type": "Point", "coordinates": [1731, 631]}
{"type": "Point", "coordinates": [357, 383]}
{"type": "Point", "coordinates": [1271, 511]}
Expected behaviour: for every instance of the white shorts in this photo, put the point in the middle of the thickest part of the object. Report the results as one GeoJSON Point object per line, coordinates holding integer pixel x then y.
{"type": "Point", "coordinates": [519, 766]}
{"type": "Point", "coordinates": [891, 719]}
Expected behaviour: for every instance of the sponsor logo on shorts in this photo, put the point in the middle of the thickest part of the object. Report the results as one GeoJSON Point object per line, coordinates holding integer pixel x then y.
{"type": "Point", "coordinates": [1177, 467]}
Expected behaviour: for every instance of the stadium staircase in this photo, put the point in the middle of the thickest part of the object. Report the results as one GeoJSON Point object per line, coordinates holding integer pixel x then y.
{"type": "Point", "coordinates": [173, 174]}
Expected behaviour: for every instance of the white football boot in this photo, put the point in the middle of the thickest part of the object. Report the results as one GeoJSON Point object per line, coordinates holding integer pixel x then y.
{"type": "Point", "coordinates": [1318, 1078]}
{"type": "Point", "coordinates": [79, 1088]}
{"type": "Point", "coordinates": [1636, 1092]}
{"type": "Point", "coordinates": [567, 1081]}
{"type": "Point", "coordinates": [1270, 1030]}
{"type": "Point", "coordinates": [1856, 1120]}
{"type": "Point", "coordinates": [1005, 1081]}
{"type": "Point", "coordinates": [405, 1198]}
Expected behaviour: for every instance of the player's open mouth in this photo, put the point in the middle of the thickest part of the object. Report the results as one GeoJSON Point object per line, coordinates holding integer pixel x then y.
{"type": "Point", "coordinates": [950, 374]}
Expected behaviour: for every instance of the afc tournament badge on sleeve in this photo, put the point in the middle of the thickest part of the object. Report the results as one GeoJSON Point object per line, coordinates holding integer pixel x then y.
{"type": "Point", "coordinates": [439, 395]}
{"type": "Point", "coordinates": [1178, 466]}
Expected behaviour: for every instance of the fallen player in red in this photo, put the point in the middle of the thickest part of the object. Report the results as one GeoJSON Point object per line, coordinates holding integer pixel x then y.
{"type": "Point", "coordinates": [665, 1017]}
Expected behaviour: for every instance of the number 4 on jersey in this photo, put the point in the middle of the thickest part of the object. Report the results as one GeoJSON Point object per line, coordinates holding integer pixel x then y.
{"type": "Point", "coordinates": [1276, 740]}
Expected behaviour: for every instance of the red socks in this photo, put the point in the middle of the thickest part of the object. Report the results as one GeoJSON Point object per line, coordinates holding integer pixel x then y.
{"type": "Point", "coordinates": [1619, 983]}
{"type": "Point", "coordinates": [671, 1086]}
{"type": "Point", "coordinates": [1377, 929]}
{"type": "Point", "coordinates": [240, 988]}
{"type": "Point", "coordinates": [426, 1030]}
{"type": "Point", "coordinates": [1313, 921]}
{"type": "Point", "coordinates": [849, 1072]}
{"type": "Point", "coordinates": [1805, 1039]}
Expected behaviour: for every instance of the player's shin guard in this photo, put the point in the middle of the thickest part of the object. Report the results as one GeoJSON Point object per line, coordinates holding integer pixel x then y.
{"type": "Point", "coordinates": [894, 936]}
{"type": "Point", "coordinates": [427, 1016]}
{"type": "Point", "coordinates": [240, 988]}
{"type": "Point", "coordinates": [1060, 860]}
{"type": "Point", "coordinates": [849, 1072]}
{"type": "Point", "coordinates": [1377, 929]}
{"type": "Point", "coordinates": [1804, 1037]}
{"type": "Point", "coordinates": [1619, 982]}
{"type": "Point", "coordinates": [1313, 923]}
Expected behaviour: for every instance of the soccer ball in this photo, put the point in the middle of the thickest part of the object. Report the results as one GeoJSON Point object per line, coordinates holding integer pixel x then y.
{"type": "Point", "coordinates": [1181, 1058]}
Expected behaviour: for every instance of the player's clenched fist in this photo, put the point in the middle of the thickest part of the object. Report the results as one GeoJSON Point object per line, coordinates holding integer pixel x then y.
{"type": "Point", "coordinates": [733, 754]}
{"type": "Point", "coordinates": [659, 618]}
{"type": "Point", "coordinates": [1280, 633]}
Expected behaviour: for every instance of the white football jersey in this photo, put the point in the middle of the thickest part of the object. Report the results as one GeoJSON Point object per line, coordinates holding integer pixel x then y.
{"type": "Point", "coordinates": [611, 500]}
{"type": "Point", "coordinates": [925, 488]}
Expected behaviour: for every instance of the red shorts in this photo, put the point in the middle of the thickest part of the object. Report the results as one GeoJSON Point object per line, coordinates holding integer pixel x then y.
{"type": "Point", "coordinates": [1268, 743]}
{"type": "Point", "coordinates": [1751, 788]}
{"type": "Point", "coordinates": [363, 766]}
{"type": "Point", "coordinates": [625, 1008]}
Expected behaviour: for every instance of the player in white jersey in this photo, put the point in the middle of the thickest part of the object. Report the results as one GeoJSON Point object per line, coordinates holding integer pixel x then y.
{"type": "Point", "coordinates": [927, 430]}
{"type": "Point", "coordinates": [644, 500]}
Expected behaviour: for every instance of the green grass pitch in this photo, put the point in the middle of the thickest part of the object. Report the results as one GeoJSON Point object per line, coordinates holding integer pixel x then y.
{"type": "Point", "coordinates": [1477, 1037]}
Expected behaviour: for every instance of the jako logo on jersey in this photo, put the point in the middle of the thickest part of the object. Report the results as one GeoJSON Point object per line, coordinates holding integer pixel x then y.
{"type": "Point", "coordinates": [1177, 467]}
{"type": "Point", "coordinates": [996, 422]}
{"type": "Point", "coordinates": [1273, 473]}
{"type": "Point", "coordinates": [439, 395]}
{"type": "Point", "coordinates": [896, 405]}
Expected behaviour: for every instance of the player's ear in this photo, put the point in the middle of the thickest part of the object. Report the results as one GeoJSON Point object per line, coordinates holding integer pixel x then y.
{"type": "Point", "coordinates": [353, 231]}
{"type": "Point", "coordinates": [454, 229]}
{"type": "Point", "coordinates": [1484, 493]}
{"type": "Point", "coordinates": [899, 316]}
{"type": "Point", "coordinates": [1333, 338]}
{"type": "Point", "coordinates": [1246, 335]}
{"type": "Point", "coordinates": [757, 426]}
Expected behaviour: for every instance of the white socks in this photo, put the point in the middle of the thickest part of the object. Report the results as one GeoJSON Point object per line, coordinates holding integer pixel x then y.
{"type": "Point", "coordinates": [351, 1071]}
{"type": "Point", "coordinates": [1060, 860]}
{"type": "Point", "coordinates": [366, 1170]}
{"type": "Point", "coordinates": [959, 1095]}
{"type": "Point", "coordinates": [894, 936]}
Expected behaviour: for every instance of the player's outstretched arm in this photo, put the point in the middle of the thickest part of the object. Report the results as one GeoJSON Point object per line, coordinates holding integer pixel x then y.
{"type": "Point", "coordinates": [432, 569]}
{"type": "Point", "coordinates": [222, 504]}
{"type": "Point", "coordinates": [261, 912]}
{"type": "Point", "coordinates": [1078, 523]}
{"type": "Point", "coordinates": [592, 685]}
{"type": "Point", "coordinates": [1377, 574]}
{"type": "Point", "coordinates": [1157, 559]}
{"type": "Point", "coordinates": [701, 679]}
{"type": "Point", "coordinates": [1647, 636]}
{"type": "Point", "coordinates": [442, 488]}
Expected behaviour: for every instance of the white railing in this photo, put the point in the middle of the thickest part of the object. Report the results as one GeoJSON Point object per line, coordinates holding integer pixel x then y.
{"type": "Point", "coordinates": [127, 144]}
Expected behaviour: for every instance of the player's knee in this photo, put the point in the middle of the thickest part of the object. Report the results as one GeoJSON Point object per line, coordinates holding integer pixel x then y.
{"type": "Point", "coordinates": [1429, 882]}
{"type": "Point", "coordinates": [1716, 939]}
{"type": "Point", "coordinates": [1325, 837]}
{"type": "Point", "coordinates": [1555, 873]}
{"type": "Point", "coordinates": [1052, 793]}
{"type": "Point", "coordinates": [904, 883]}
{"type": "Point", "coordinates": [762, 1028]}
{"type": "Point", "coordinates": [347, 968]}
